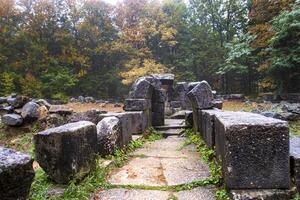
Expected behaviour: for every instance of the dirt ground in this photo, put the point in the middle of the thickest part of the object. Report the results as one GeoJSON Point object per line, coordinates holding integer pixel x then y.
{"type": "Point", "coordinates": [82, 107]}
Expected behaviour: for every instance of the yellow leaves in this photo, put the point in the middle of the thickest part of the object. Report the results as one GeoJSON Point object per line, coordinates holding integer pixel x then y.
{"type": "Point", "coordinates": [31, 86]}
{"type": "Point", "coordinates": [267, 84]}
{"type": "Point", "coordinates": [168, 34]}
{"type": "Point", "coordinates": [137, 68]}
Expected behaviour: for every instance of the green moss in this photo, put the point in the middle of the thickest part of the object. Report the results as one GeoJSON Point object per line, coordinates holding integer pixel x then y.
{"type": "Point", "coordinates": [294, 128]}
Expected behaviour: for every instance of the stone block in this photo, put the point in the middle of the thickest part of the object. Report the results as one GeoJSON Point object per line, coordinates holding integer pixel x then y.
{"type": "Point", "coordinates": [109, 135]}
{"type": "Point", "coordinates": [137, 104]}
{"type": "Point", "coordinates": [201, 96]}
{"type": "Point", "coordinates": [67, 152]}
{"type": "Point", "coordinates": [159, 96]}
{"type": "Point", "coordinates": [254, 151]}
{"type": "Point", "coordinates": [158, 118]}
{"type": "Point", "coordinates": [189, 118]}
{"type": "Point", "coordinates": [269, 194]}
{"type": "Point", "coordinates": [90, 115]}
{"type": "Point", "coordinates": [218, 104]}
{"type": "Point", "coordinates": [16, 174]}
{"type": "Point", "coordinates": [141, 89]}
{"type": "Point", "coordinates": [295, 159]}
{"type": "Point", "coordinates": [165, 79]}
{"type": "Point", "coordinates": [60, 109]}
{"type": "Point", "coordinates": [208, 126]}
{"type": "Point", "coordinates": [12, 120]}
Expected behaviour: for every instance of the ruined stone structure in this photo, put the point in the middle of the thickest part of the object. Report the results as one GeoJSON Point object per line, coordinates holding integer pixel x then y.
{"type": "Point", "coordinates": [254, 151]}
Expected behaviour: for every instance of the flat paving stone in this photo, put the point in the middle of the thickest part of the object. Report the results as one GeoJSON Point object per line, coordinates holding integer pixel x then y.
{"type": "Point", "coordinates": [127, 194]}
{"type": "Point", "coordinates": [200, 193]}
{"type": "Point", "coordinates": [162, 162]}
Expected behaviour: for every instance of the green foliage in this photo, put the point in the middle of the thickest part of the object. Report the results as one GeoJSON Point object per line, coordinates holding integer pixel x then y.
{"type": "Point", "coordinates": [222, 194]}
{"type": "Point", "coordinates": [296, 197]}
{"type": "Point", "coordinates": [284, 50]}
{"type": "Point", "coordinates": [6, 83]}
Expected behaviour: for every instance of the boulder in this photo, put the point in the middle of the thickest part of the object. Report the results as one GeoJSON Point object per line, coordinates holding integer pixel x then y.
{"type": "Point", "coordinates": [81, 99]}
{"type": "Point", "coordinates": [249, 143]}
{"type": "Point", "coordinates": [137, 104]}
{"type": "Point", "coordinates": [12, 120]}
{"type": "Point", "coordinates": [42, 112]}
{"type": "Point", "coordinates": [91, 115]}
{"type": "Point", "coordinates": [16, 174]}
{"type": "Point", "coordinates": [55, 120]}
{"type": "Point", "coordinates": [295, 160]}
{"type": "Point", "coordinates": [201, 96]}
{"type": "Point", "coordinates": [6, 109]}
{"type": "Point", "coordinates": [18, 101]}
{"type": "Point", "coordinates": [3, 100]}
{"type": "Point", "coordinates": [67, 152]}
{"type": "Point", "coordinates": [109, 135]}
{"type": "Point", "coordinates": [30, 111]}
{"type": "Point", "coordinates": [89, 100]}
{"type": "Point", "coordinates": [43, 102]}
{"type": "Point", "coordinates": [60, 109]}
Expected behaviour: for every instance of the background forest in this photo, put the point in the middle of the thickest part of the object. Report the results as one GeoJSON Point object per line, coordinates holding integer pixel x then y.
{"type": "Point", "coordinates": [61, 48]}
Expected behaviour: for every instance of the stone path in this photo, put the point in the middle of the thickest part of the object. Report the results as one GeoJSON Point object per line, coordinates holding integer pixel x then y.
{"type": "Point", "coordinates": [166, 162]}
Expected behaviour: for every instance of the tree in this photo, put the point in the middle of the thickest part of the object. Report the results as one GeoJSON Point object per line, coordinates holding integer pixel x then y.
{"type": "Point", "coordinates": [284, 51]}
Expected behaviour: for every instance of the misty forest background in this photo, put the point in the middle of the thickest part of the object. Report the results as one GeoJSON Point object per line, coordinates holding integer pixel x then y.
{"type": "Point", "coordinates": [62, 48]}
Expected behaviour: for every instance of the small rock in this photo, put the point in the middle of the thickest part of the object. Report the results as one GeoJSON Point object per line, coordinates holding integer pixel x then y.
{"type": "Point", "coordinates": [3, 100]}
{"type": "Point", "coordinates": [89, 100]}
{"type": "Point", "coordinates": [30, 111]}
{"type": "Point", "coordinates": [60, 109]}
{"type": "Point", "coordinates": [81, 99]}
{"type": "Point", "coordinates": [43, 102]}
{"type": "Point", "coordinates": [18, 101]}
{"type": "Point", "coordinates": [12, 120]}
{"type": "Point", "coordinates": [7, 109]}
{"type": "Point", "coordinates": [118, 105]}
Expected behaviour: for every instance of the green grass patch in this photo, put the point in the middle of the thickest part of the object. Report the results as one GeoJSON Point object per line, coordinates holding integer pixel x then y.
{"type": "Point", "coordinates": [294, 128]}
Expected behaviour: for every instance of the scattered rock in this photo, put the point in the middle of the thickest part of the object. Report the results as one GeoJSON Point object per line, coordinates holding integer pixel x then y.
{"type": "Point", "coordinates": [109, 135]}
{"type": "Point", "coordinates": [91, 115]}
{"type": "Point", "coordinates": [3, 100]}
{"type": "Point", "coordinates": [60, 109]}
{"type": "Point", "coordinates": [89, 100]}
{"type": "Point", "coordinates": [12, 120]}
{"type": "Point", "coordinates": [6, 110]}
{"type": "Point", "coordinates": [16, 174]}
{"type": "Point", "coordinates": [67, 152]}
{"type": "Point", "coordinates": [81, 99]}
{"type": "Point", "coordinates": [30, 111]}
{"type": "Point", "coordinates": [18, 101]}
{"type": "Point", "coordinates": [55, 120]}
{"type": "Point", "coordinates": [117, 105]}
{"type": "Point", "coordinates": [43, 102]}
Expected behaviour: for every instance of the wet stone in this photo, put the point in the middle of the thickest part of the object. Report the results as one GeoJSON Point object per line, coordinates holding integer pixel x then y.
{"type": "Point", "coordinates": [109, 135]}
{"type": "Point", "coordinates": [67, 152]}
{"type": "Point", "coordinates": [201, 96]}
{"type": "Point", "coordinates": [16, 174]}
{"type": "Point", "coordinates": [12, 120]}
{"type": "Point", "coordinates": [249, 143]}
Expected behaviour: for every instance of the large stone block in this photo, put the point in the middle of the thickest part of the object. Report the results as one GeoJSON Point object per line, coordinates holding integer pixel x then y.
{"type": "Point", "coordinates": [295, 159]}
{"type": "Point", "coordinates": [141, 89]}
{"type": "Point", "coordinates": [137, 104]}
{"type": "Point", "coordinates": [67, 152]}
{"type": "Point", "coordinates": [159, 96]}
{"type": "Point", "coordinates": [16, 174]}
{"type": "Point", "coordinates": [158, 118]}
{"type": "Point", "coordinates": [207, 125]}
{"type": "Point", "coordinates": [254, 150]}
{"type": "Point", "coordinates": [165, 79]}
{"type": "Point", "coordinates": [109, 135]}
{"type": "Point", "coordinates": [201, 96]}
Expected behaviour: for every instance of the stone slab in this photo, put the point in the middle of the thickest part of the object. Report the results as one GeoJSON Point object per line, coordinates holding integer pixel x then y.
{"type": "Point", "coordinates": [127, 194]}
{"type": "Point", "coordinates": [250, 143]}
{"type": "Point", "coordinates": [200, 193]}
{"type": "Point", "coordinates": [295, 159]}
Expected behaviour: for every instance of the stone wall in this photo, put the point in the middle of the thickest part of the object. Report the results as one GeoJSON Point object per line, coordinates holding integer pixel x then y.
{"type": "Point", "coordinates": [253, 149]}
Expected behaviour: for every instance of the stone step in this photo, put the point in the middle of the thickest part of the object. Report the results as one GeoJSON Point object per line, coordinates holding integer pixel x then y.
{"type": "Point", "coordinates": [167, 127]}
{"type": "Point", "coordinates": [172, 131]}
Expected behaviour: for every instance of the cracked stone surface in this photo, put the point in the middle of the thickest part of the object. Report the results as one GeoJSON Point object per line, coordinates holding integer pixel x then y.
{"type": "Point", "coordinates": [160, 163]}
{"type": "Point", "coordinates": [166, 162]}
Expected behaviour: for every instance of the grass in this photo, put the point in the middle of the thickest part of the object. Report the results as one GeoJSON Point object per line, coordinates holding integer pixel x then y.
{"type": "Point", "coordinates": [294, 128]}
{"type": "Point", "coordinates": [209, 157]}
{"type": "Point", "coordinates": [96, 179]}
